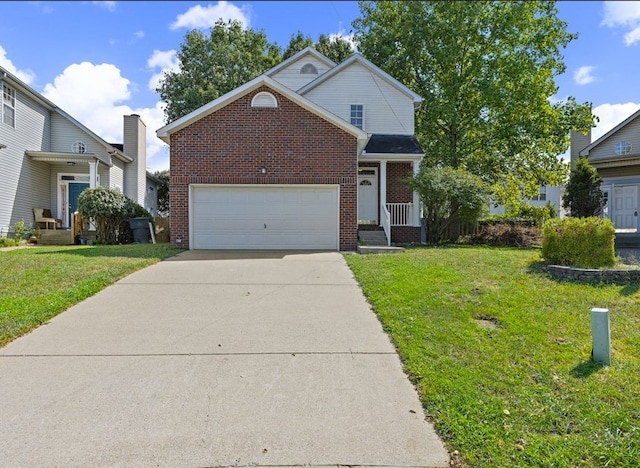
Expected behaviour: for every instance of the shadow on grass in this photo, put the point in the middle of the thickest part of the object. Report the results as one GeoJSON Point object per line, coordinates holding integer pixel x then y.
{"type": "Point", "coordinates": [585, 369]}
{"type": "Point", "coordinates": [630, 289]}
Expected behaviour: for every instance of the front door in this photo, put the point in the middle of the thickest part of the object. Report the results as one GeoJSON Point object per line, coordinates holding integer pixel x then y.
{"type": "Point", "coordinates": [75, 189]}
{"type": "Point", "coordinates": [368, 195]}
{"type": "Point", "coordinates": [625, 211]}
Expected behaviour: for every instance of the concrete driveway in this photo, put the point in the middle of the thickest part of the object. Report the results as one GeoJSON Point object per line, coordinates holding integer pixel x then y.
{"type": "Point", "coordinates": [215, 359]}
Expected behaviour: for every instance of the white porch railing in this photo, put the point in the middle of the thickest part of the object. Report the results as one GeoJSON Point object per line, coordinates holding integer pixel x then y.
{"type": "Point", "coordinates": [386, 222]}
{"type": "Point", "coordinates": [400, 214]}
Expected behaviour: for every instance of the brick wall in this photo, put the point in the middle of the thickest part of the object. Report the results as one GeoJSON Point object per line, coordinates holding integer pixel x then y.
{"type": "Point", "coordinates": [231, 145]}
{"type": "Point", "coordinates": [397, 189]}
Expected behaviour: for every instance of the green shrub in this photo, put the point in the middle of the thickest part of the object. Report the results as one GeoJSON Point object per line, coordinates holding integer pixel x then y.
{"type": "Point", "coordinates": [537, 214]}
{"type": "Point", "coordinates": [579, 242]}
{"type": "Point", "coordinates": [110, 210]}
{"type": "Point", "coordinates": [20, 230]}
{"type": "Point", "coordinates": [7, 242]}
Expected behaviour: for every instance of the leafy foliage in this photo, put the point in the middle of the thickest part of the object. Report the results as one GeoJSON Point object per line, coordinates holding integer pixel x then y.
{"type": "Point", "coordinates": [579, 242]}
{"type": "Point", "coordinates": [163, 192]}
{"type": "Point", "coordinates": [486, 72]}
{"type": "Point", "coordinates": [335, 48]}
{"type": "Point", "coordinates": [109, 210]}
{"type": "Point", "coordinates": [536, 214]}
{"type": "Point", "coordinates": [213, 64]}
{"type": "Point", "coordinates": [582, 196]}
{"type": "Point", "coordinates": [449, 197]}
{"type": "Point", "coordinates": [20, 230]}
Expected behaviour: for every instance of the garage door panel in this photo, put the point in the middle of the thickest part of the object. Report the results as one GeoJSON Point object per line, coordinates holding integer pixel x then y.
{"type": "Point", "coordinates": [265, 217]}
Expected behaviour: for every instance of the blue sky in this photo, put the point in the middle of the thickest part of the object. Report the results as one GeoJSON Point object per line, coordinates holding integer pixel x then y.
{"type": "Point", "coordinates": [101, 60]}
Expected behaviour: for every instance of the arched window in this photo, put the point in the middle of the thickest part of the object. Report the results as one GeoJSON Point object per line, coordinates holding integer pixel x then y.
{"type": "Point", "coordinates": [78, 147]}
{"type": "Point", "coordinates": [308, 69]}
{"type": "Point", "coordinates": [264, 99]}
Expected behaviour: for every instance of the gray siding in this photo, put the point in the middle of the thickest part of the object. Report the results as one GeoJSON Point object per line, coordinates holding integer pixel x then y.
{"type": "Point", "coordinates": [116, 178]}
{"type": "Point", "coordinates": [21, 178]}
{"type": "Point", "coordinates": [606, 148]}
{"type": "Point", "coordinates": [135, 173]}
{"type": "Point", "coordinates": [291, 77]}
{"type": "Point", "coordinates": [386, 109]}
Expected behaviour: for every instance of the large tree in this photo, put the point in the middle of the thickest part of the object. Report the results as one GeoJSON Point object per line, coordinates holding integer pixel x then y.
{"type": "Point", "coordinates": [486, 72]}
{"type": "Point", "coordinates": [335, 48]}
{"type": "Point", "coordinates": [213, 64]}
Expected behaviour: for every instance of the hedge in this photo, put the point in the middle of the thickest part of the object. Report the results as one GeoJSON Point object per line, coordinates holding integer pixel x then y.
{"type": "Point", "coordinates": [579, 242]}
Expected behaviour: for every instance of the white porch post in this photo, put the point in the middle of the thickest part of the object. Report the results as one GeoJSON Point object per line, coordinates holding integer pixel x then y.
{"type": "Point", "coordinates": [93, 174]}
{"type": "Point", "coordinates": [383, 183]}
{"type": "Point", "coordinates": [416, 197]}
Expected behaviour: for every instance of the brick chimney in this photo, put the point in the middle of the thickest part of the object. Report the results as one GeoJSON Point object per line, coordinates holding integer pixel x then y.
{"type": "Point", "coordinates": [135, 146]}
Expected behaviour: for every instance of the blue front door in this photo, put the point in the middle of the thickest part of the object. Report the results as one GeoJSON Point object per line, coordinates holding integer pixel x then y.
{"type": "Point", "coordinates": [75, 189]}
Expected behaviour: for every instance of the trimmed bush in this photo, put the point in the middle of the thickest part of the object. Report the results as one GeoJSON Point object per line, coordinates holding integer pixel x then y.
{"type": "Point", "coordinates": [579, 242]}
{"type": "Point", "coordinates": [110, 211]}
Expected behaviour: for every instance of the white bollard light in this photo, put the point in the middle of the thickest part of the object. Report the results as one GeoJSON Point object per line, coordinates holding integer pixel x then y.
{"type": "Point", "coordinates": [600, 331]}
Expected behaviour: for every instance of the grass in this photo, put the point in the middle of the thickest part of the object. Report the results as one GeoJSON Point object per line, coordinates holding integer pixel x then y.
{"type": "Point", "coordinates": [38, 283]}
{"type": "Point", "coordinates": [523, 391]}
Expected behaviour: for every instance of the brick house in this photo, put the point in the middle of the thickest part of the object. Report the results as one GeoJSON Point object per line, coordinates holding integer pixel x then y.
{"type": "Point", "coordinates": [302, 157]}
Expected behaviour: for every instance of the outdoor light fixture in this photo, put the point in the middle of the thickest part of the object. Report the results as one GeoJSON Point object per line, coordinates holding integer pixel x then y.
{"type": "Point", "coordinates": [71, 163]}
{"type": "Point", "coordinates": [263, 170]}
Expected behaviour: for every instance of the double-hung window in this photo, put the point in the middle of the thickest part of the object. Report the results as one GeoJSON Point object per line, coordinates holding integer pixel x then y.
{"type": "Point", "coordinates": [357, 115]}
{"type": "Point", "coordinates": [8, 105]}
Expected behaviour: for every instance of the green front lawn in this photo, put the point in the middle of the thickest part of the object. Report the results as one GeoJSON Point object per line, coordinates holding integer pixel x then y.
{"type": "Point", "coordinates": [500, 354]}
{"type": "Point", "coordinates": [37, 283]}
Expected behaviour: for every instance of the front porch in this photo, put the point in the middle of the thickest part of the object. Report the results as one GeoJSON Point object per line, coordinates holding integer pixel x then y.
{"type": "Point", "coordinates": [77, 232]}
{"type": "Point", "coordinates": [386, 203]}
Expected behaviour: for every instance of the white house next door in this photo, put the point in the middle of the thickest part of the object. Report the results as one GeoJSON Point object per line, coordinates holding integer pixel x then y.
{"type": "Point", "coordinates": [368, 195]}
{"type": "Point", "coordinates": [625, 207]}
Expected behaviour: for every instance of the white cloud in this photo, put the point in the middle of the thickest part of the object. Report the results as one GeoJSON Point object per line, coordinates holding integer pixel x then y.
{"type": "Point", "coordinates": [96, 95]}
{"type": "Point", "coordinates": [111, 6]}
{"type": "Point", "coordinates": [166, 61]}
{"type": "Point", "coordinates": [139, 34]}
{"type": "Point", "coordinates": [611, 115]}
{"type": "Point", "coordinates": [632, 36]}
{"type": "Point", "coordinates": [583, 75]}
{"type": "Point", "coordinates": [202, 17]}
{"type": "Point", "coordinates": [25, 75]}
{"type": "Point", "coordinates": [341, 34]}
{"type": "Point", "coordinates": [625, 15]}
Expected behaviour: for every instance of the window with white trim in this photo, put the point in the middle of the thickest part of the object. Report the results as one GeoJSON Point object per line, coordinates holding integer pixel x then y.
{"type": "Point", "coordinates": [78, 147]}
{"type": "Point", "coordinates": [357, 115]}
{"type": "Point", "coordinates": [8, 105]}
{"type": "Point", "coordinates": [264, 99]}
{"type": "Point", "coordinates": [542, 194]}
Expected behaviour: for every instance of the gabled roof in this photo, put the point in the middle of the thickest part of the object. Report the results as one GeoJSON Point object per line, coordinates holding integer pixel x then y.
{"type": "Point", "coordinates": [358, 58]}
{"type": "Point", "coordinates": [294, 58]}
{"type": "Point", "coordinates": [15, 82]}
{"type": "Point", "coordinates": [263, 80]}
{"type": "Point", "coordinates": [624, 123]}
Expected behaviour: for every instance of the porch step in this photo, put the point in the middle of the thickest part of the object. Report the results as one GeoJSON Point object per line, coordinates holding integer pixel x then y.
{"type": "Point", "coordinates": [373, 237]}
{"type": "Point", "coordinates": [627, 240]}
{"type": "Point", "coordinates": [55, 237]}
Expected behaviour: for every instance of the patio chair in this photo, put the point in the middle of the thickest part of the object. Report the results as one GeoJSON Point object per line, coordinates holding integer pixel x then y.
{"type": "Point", "coordinates": [43, 216]}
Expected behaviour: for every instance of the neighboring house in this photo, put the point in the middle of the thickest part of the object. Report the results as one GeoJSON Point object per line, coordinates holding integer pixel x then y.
{"type": "Point", "coordinates": [616, 157]}
{"type": "Point", "coordinates": [47, 158]}
{"type": "Point", "coordinates": [547, 194]}
{"type": "Point", "coordinates": [301, 157]}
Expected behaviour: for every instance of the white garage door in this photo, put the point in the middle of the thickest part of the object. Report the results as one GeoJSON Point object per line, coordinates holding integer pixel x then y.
{"type": "Point", "coordinates": [265, 217]}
